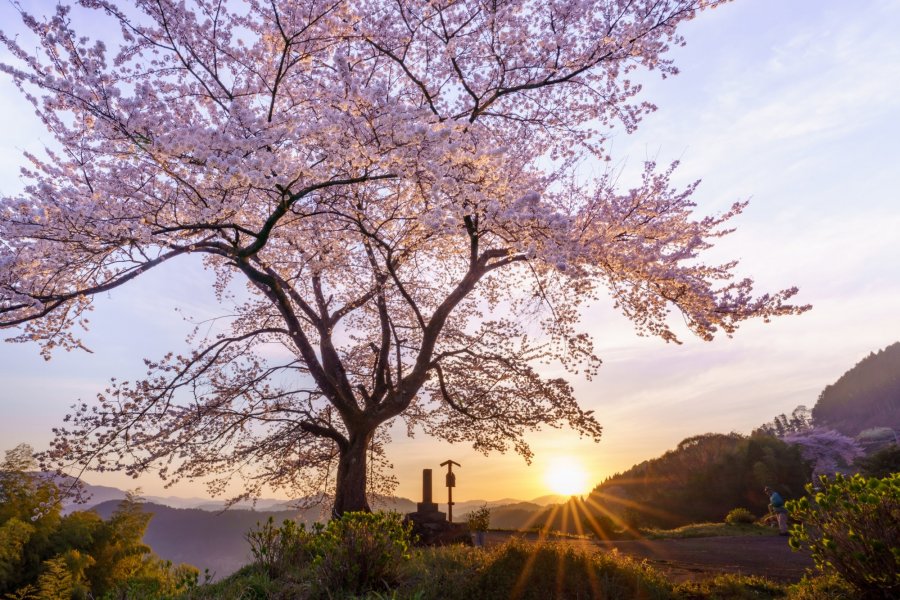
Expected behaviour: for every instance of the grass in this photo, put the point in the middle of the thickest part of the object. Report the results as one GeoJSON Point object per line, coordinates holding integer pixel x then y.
{"type": "Point", "coordinates": [545, 534]}
{"type": "Point", "coordinates": [517, 570]}
{"type": "Point", "coordinates": [695, 530]}
{"type": "Point", "coordinates": [698, 530]}
{"type": "Point", "coordinates": [825, 587]}
{"type": "Point", "coordinates": [520, 570]}
{"type": "Point", "coordinates": [248, 583]}
{"type": "Point", "coordinates": [357, 557]}
{"type": "Point", "coordinates": [730, 587]}
{"type": "Point", "coordinates": [536, 571]}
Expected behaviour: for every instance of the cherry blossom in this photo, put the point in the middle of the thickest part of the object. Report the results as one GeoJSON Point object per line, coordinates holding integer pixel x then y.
{"type": "Point", "coordinates": [827, 450]}
{"type": "Point", "coordinates": [397, 185]}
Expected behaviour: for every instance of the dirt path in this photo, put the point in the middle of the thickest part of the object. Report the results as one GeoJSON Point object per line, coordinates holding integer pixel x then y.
{"type": "Point", "coordinates": [698, 558]}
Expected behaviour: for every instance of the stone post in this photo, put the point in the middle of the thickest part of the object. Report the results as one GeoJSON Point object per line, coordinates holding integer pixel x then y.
{"type": "Point", "coordinates": [427, 505]}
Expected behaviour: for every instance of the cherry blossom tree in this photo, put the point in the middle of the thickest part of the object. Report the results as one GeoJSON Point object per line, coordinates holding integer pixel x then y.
{"type": "Point", "coordinates": [396, 186]}
{"type": "Point", "coordinates": [827, 450]}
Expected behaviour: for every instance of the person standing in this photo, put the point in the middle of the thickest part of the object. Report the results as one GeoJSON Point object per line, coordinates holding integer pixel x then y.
{"type": "Point", "coordinates": [776, 505]}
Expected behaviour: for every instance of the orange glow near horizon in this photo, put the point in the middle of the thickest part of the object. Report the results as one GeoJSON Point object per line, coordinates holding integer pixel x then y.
{"type": "Point", "coordinates": [567, 476]}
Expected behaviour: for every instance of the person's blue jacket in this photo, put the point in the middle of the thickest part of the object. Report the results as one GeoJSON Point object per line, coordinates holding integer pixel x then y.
{"type": "Point", "coordinates": [777, 502]}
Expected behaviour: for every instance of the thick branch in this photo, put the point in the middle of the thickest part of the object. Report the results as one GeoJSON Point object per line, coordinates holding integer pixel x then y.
{"type": "Point", "coordinates": [53, 301]}
{"type": "Point", "coordinates": [285, 205]}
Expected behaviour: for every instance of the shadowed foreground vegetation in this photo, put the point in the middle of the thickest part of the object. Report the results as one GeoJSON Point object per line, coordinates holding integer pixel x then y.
{"type": "Point", "coordinates": [516, 569]}
{"type": "Point", "coordinates": [850, 526]}
{"type": "Point", "coordinates": [369, 556]}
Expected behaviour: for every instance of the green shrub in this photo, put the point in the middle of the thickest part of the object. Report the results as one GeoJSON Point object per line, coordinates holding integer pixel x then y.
{"type": "Point", "coordinates": [248, 583]}
{"type": "Point", "coordinates": [442, 573]}
{"type": "Point", "coordinates": [350, 556]}
{"type": "Point", "coordinates": [882, 463]}
{"type": "Point", "coordinates": [55, 583]}
{"type": "Point", "coordinates": [739, 515]}
{"type": "Point", "coordinates": [157, 580]}
{"type": "Point", "coordinates": [479, 519]}
{"type": "Point", "coordinates": [360, 552]}
{"type": "Point", "coordinates": [276, 549]}
{"type": "Point", "coordinates": [852, 527]}
{"type": "Point", "coordinates": [825, 587]}
{"type": "Point", "coordinates": [729, 587]}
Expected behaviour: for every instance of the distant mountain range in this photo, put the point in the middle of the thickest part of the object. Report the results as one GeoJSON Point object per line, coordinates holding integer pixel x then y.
{"type": "Point", "coordinates": [200, 532]}
{"type": "Point", "coordinates": [98, 494]}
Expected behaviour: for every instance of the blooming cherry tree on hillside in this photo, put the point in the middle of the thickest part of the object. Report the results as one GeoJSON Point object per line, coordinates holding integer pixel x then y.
{"type": "Point", "coordinates": [395, 184]}
{"type": "Point", "coordinates": [826, 450]}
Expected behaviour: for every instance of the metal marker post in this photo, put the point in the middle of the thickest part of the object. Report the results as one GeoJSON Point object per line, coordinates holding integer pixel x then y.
{"type": "Point", "coordinates": [451, 483]}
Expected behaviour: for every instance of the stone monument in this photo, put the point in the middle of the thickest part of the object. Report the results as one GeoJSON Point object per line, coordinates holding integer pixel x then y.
{"type": "Point", "coordinates": [431, 525]}
{"type": "Point", "coordinates": [427, 510]}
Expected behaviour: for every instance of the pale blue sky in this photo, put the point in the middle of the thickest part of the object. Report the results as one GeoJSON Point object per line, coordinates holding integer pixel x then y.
{"type": "Point", "coordinates": [794, 104]}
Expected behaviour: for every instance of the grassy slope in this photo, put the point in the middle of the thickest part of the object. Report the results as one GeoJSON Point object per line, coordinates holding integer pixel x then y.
{"type": "Point", "coordinates": [698, 530]}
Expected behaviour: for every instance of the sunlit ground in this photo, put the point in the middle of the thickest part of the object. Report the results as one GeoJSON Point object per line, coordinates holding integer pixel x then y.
{"type": "Point", "coordinates": [566, 476]}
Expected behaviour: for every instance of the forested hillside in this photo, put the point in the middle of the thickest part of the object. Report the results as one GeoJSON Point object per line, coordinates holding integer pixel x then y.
{"type": "Point", "coordinates": [47, 555]}
{"type": "Point", "coordinates": [702, 479]}
{"type": "Point", "coordinates": [866, 396]}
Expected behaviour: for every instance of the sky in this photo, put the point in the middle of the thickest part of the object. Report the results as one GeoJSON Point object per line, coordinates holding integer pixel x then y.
{"type": "Point", "coordinates": [792, 105]}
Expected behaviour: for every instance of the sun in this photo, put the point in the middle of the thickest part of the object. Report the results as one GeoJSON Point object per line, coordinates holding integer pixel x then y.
{"type": "Point", "coordinates": [566, 476]}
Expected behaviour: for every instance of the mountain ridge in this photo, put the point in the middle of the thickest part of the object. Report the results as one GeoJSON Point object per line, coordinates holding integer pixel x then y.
{"type": "Point", "coordinates": [216, 540]}
{"type": "Point", "coordinates": [98, 494]}
{"type": "Point", "coordinates": [866, 396]}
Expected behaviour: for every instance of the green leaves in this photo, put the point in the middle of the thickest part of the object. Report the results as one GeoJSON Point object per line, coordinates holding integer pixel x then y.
{"type": "Point", "coordinates": [357, 553]}
{"type": "Point", "coordinates": [14, 534]}
{"type": "Point", "coordinates": [275, 548]}
{"type": "Point", "coordinates": [79, 555]}
{"type": "Point", "coordinates": [852, 526]}
{"type": "Point", "coordinates": [479, 519]}
{"type": "Point", "coordinates": [362, 551]}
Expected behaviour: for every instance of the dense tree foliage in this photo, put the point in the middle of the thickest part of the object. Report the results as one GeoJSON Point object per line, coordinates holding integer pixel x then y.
{"type": "Point", "coordinates": [866, 396]}
{"type": "Point", "coordinates": [46, 555]}
{"type": "Point", "coordinates": [881, 463]}
{"type": "Point", "coordinates": [702, 480]}
{"type": "Point", "coordinates": [395, 184]}
{"type": "Point", "coordinates": [800, 420]}
{"type": "Point", "coordinates": [29, 516]}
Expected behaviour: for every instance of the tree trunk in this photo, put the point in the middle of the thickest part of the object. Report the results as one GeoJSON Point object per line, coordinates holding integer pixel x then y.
{"type": "Point", "coordinates": [350, 488]}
